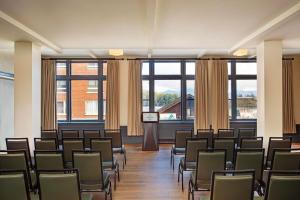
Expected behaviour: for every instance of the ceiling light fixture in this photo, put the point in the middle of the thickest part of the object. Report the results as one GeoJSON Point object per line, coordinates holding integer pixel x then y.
{"type": "Point", "coordinates": [241, 52]}
{"type": "Point", "coordinates": [116, 52]}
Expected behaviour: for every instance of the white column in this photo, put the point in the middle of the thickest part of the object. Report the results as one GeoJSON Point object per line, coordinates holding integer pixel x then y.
{"type": "Point", "coordinates": [27, 92]}
{"type": "Point", "coordinates": [269, 89]}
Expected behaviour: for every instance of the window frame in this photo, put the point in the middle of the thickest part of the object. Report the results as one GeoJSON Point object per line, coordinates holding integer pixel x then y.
{"type": "Point", "coordinates": [69, 77]}
{"type": "Point", "coordinates": [234, 78]}
{"type": "Point", "coordinates": [183, 77]}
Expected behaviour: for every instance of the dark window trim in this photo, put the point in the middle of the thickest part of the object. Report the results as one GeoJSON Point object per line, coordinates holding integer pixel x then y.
{"type": "Point", "coordinates": [69, 78]}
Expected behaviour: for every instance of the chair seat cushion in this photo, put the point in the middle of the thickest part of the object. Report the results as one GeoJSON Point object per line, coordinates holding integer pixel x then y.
{"type": "Point", "coordinates": [189, 165]}
{"type": "Point", "coordinates": [119, 150]}
{"type": "Point", "coordinates": [176, 150]}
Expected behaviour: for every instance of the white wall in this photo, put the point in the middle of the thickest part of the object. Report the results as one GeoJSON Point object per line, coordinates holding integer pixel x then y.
{"type": "Point", "coordinates": [6, 98]}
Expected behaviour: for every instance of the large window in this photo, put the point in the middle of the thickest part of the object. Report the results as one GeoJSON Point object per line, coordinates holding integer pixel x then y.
{"type": "Point", "coordinates": [168, 88]}
{"type": "Point", "coordinates": [81, 90]}
{"type": "Point", "coordinates": [242, 90]}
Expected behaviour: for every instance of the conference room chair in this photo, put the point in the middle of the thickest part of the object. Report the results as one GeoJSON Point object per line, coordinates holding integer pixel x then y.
{"type": "Point", "coordinates": [88, 134]}
{"type": "Point", "coordinates": [66, 133]}
{"type": "Point", "coordinates": [109, 162]}
{"type": "Point", "coordinates": [59, 185]}
{"type": "Point", "coordinates": [117, 142]}
{"type": "Point", "coordinates": [180, 143]}
{"type": "Point", "coordinates": [69, 145]}
{"type": "Point", "coordinates": [225, 132]}
{"type": "Point", "coordinates": [245, 133]}
{"type": "Point", "coordinates": [252, 143]}
{"type": "Point", "coordinates": [13, 185]}
{"type": "Point", "coordinates": [207, 162]}
{"type": "Point", "coordinates": [189, 161]}
{"type": "Point", "coordinates": [45, 144]}
{"type": "Point", "coordinates": [286, 159]}
{"type": "Point", "coordinates": [17, 160]}
{"type": "Point", "coordinates": [232, 185]}
{"type": "Point", "coordinates": [20, 144]}
{"type": "Point", "coordinates": [277, 143]}
{"type": "Point", "coordinates": [283, 185]}
{"type": "Point", "coordinates": [92, 178]}
{"type": "Point", "coordinates": [229, 145]}
{"type": "Point", "coordinates": [49, 133]}
{"type": "Point", "coordinates": [206, 133]}
{"type": "Point", "coordinates": [246, 159]}
{"type": "Point", "coordinates": [49, 160]}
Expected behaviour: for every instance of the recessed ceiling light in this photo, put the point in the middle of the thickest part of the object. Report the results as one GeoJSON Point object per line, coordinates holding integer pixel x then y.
{"type": "Point", "coordinates": [241, 52]}
{"type": "Point", "coordinates": [116, 52]}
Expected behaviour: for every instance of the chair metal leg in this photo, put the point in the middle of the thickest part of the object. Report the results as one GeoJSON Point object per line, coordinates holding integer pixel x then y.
{"type": "Point", "coordinates": [178, 173]}
{"type": "Point", "coordinates": [171, 157]}
{"type": "Point", "coordinates": [115, 180]}
{"type": "Point", "coordinates": [189, 191]}
{"type": "Point", "coordinates": [105, 195]}
{"type": "Point", "coordinates": [118, 170]}
{"type": "Point", "coordinates": [173, 162]}
{"type": "Point", "coordinates": [125, 157]}
{"type": "Point", "coordinates": [110, 191]}
{"type": "Point", "coordinates": [182, 179]}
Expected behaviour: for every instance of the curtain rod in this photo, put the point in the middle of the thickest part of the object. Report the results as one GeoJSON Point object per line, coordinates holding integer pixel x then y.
{"type": "Point", "coordinates": [175, 58]}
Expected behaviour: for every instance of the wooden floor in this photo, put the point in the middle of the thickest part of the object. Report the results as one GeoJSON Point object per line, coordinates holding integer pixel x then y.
{"type": "Point", "coordinates": [148, 176]}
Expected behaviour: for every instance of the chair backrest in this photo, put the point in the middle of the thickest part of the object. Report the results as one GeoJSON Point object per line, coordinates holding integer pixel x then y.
{"type": "Point", "coordinates": [50, 133]}
{"type": "Point", "coordinates": [15, 160]}
{"type": "Point", "coordinates": [59, 185]}
{"type": "Point", "coordinates": [19, 144]}
{"type": "Point", "coordinates": [207, 162]}
{"type": "Point", "coordinates": [206, 133]}
{"type": "Point", "coordinates": [88, 134]}
{"type": "Point", "coordinates": [89, 164]}
{"type": "Point", "coordinates": [278, 143]}
{"type": "Point", "coordinates": [246, 133]}
{"type": "Point", "coordinates": [251, 142]}
{"type": "Point", "coordinates": [49, 160]}
{"type": "Point", "coordinates": [104, 145]}
{"type": "Point", "coordinates": [192, 147]}
{"type": "Point", "coordinates": [45, 144]}
{"type": "Point", "coordinates": [283, 185]}
{"type": "Point", "coordinates": [246, 159]}
{"type": "Point", "coordinates": [225, 143]}
{"type": "Point", "coordinates": [13, 185]}
{"type": "Point", "coordinates": [116, 136]}
{"type": "Point", "coordinates": [181, 136]}
{"type": "Point", "coordinates": [233, 185]}
{"type": "Point", "coordinates": [286, 159]}
{"type": "Point", "coordinates": [69, 134]}
{"type": "Point", "coordinates": [225, 132]}
{"type": "Point", "coordinates": [71, 144]}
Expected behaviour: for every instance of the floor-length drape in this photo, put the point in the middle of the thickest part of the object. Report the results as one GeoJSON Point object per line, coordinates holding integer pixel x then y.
{"type": "Point", "coordinates": [134, 98]}
{"type": "Point", "coordinates": [201, 95]}
{"type": "Point", "coordinates": [289, 125]}
{"type": "Point", "coordinates": [48, 95]}
{"type": "Point", "coordinates": [112, 119]}
{"type": "Point", "coordinates": [219, 94]}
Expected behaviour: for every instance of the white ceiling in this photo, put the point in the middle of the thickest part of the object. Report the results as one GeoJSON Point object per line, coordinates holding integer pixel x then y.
{"type": "Point", "coordinates": [159, 27]}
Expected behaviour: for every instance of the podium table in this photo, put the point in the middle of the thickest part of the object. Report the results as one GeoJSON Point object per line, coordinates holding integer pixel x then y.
{"type": "Point", "coordinates": [150, 139]}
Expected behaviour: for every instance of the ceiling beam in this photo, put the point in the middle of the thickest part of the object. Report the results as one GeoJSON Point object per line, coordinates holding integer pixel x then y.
{"type": "Point", "coordinates": [29, 31]}
{"type": "Point", "coordinates": [92, 54]}
{"type": "Point", "coordinates": [277, 21]}
{"type": "Point", "coordinates": [152, 10]}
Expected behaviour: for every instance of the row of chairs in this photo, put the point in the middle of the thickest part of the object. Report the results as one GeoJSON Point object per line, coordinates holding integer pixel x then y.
{"type": "Point", "coordinates": [68, 146]}
{"type": "Point", "coordinates": [239, 185]}
{"type": "Point", "coordinates": [87, 134]}
{"type": "Point", "coordinates": [181, 135]}
{"type": "Point", "coordinates": [214, 160]}
{"type": "Point", "coordinates": [86, 176]}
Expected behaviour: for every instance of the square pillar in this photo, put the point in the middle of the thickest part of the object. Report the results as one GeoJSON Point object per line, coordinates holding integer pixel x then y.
{"type": "Point", "coordinates": [269, 90]}
{"type": "Point", "coordinates": [27, 91]}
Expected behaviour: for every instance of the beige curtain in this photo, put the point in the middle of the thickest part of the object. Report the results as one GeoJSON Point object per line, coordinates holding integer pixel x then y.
{"type": "Point", "coordinates": [219, 94]}
{"type": "Point", "coordinates": [48, 95]}
{"type": "Point", "coordinates": [134, 98]}
{"type": "Point", "coordinates": [289, 125]}
{"type": "Point", "coordinates": [112, 119]}
{"type": "Point", "coordinates": [201, 95]}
